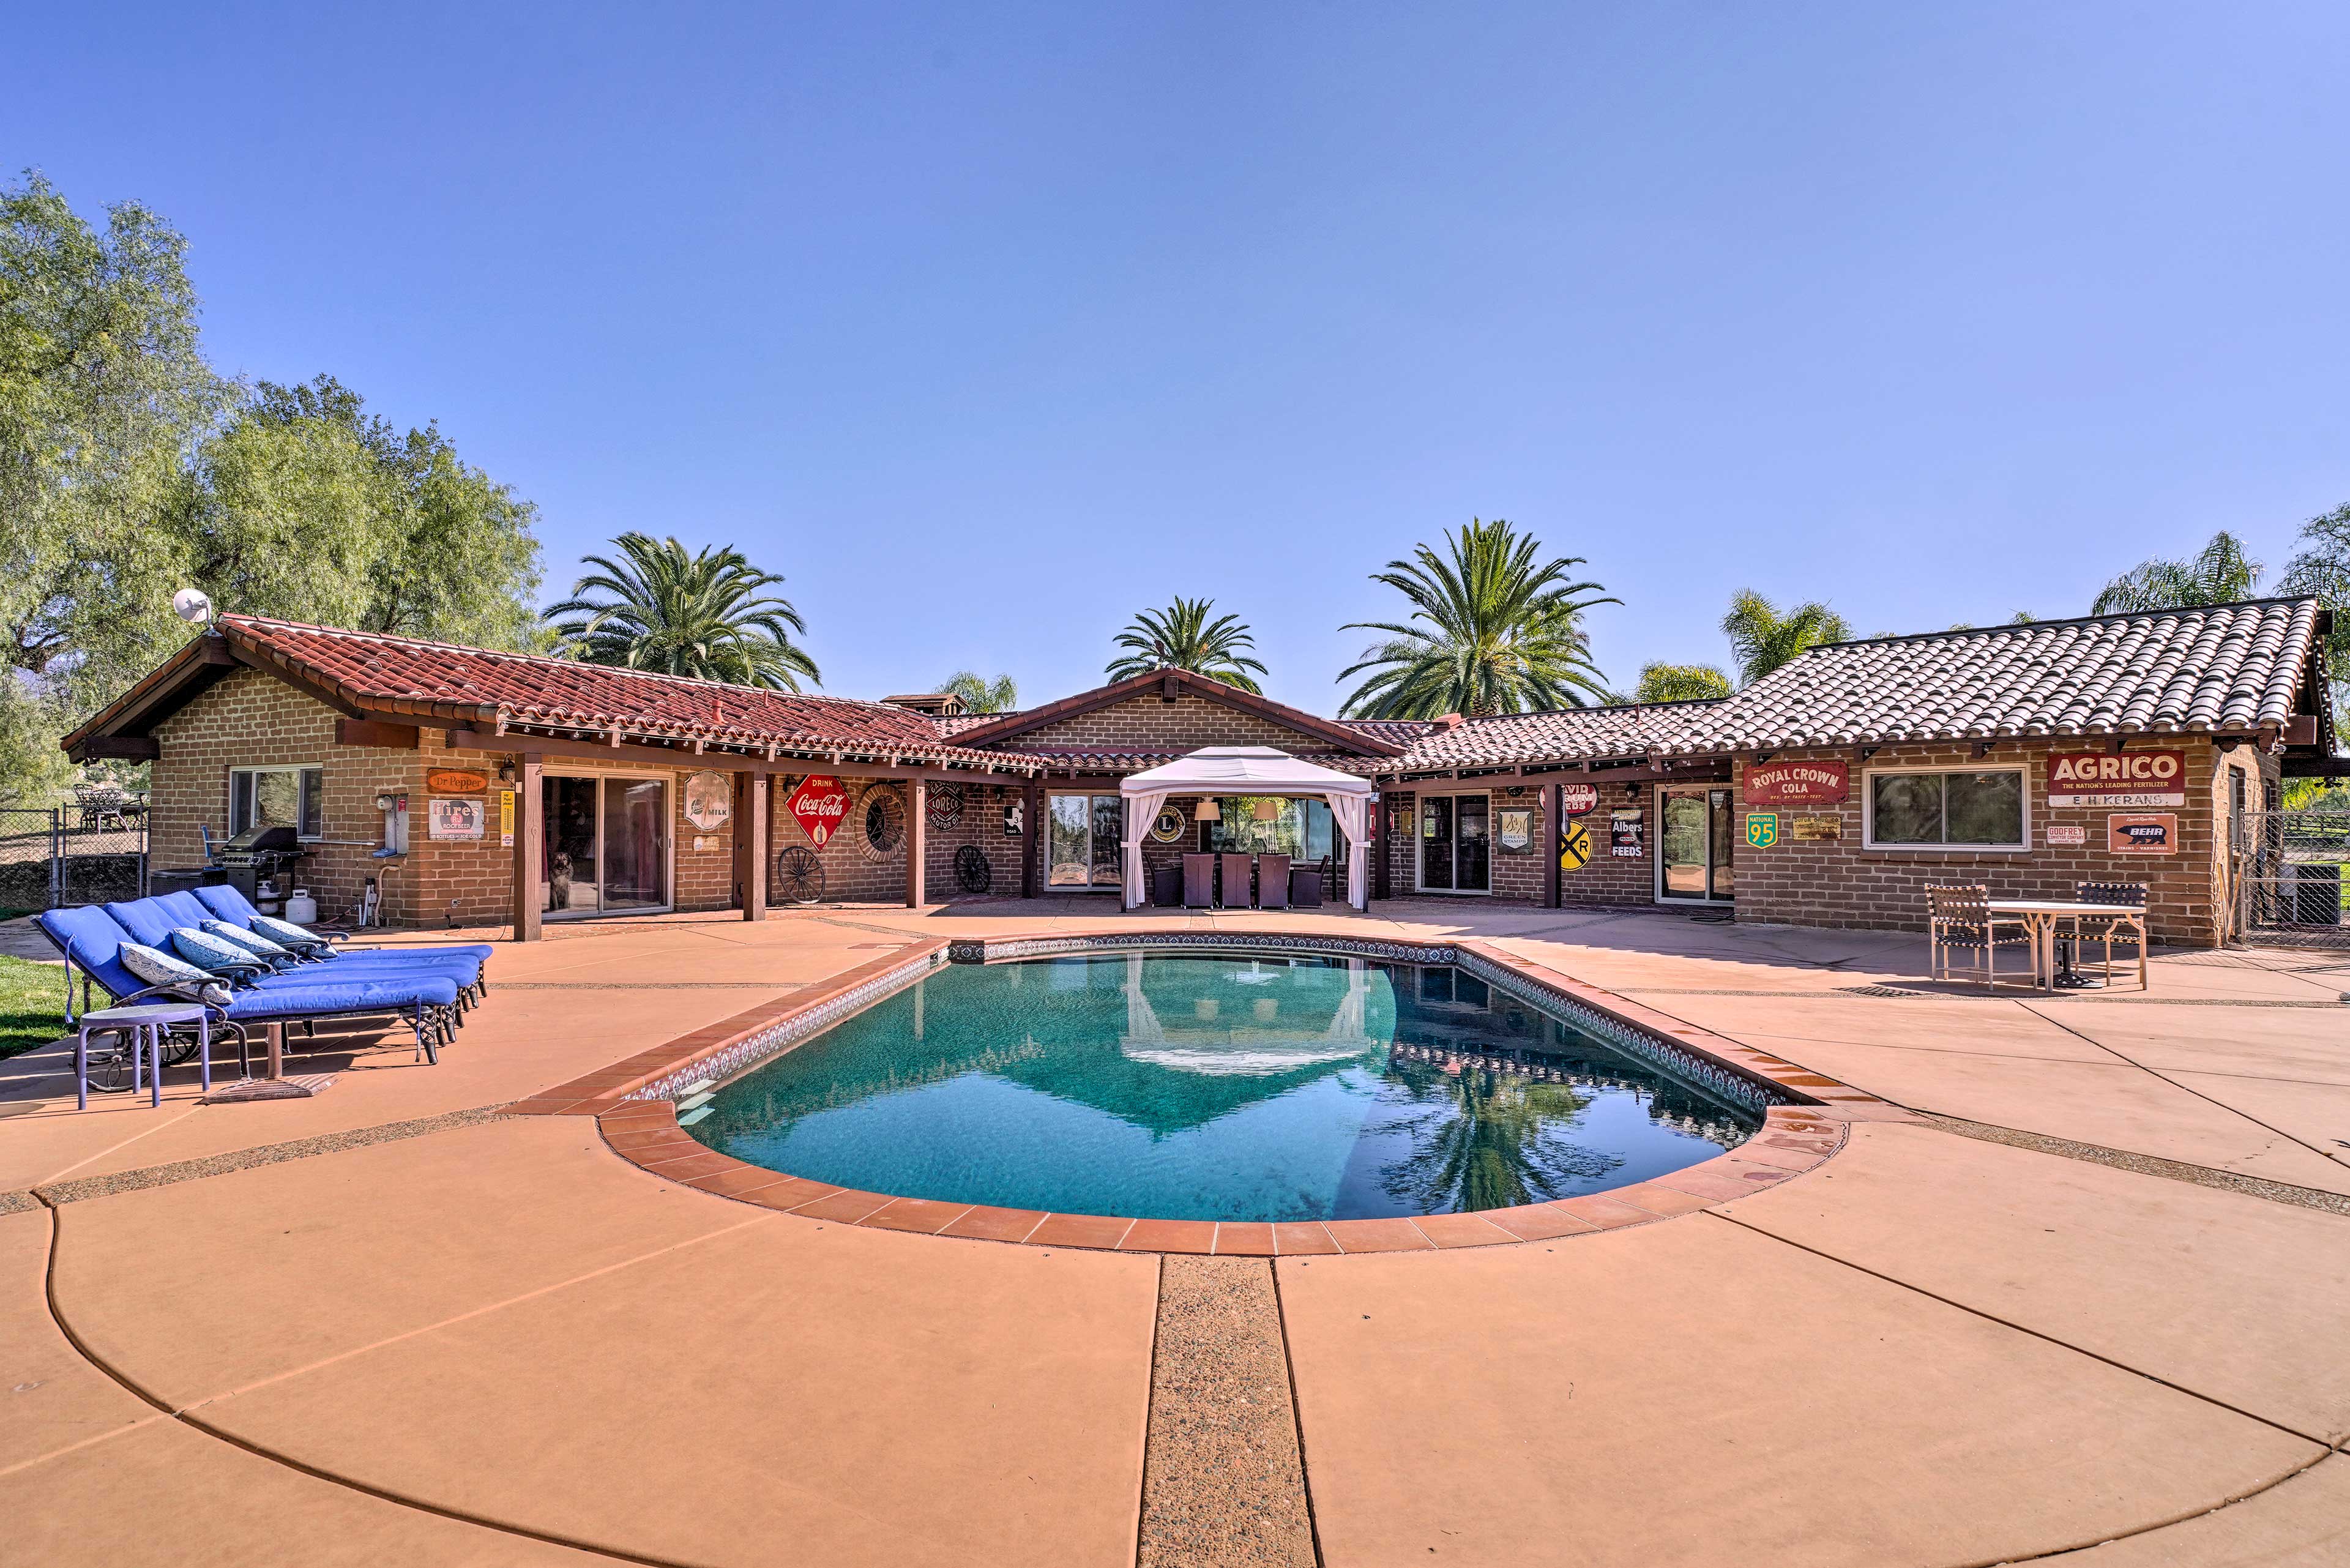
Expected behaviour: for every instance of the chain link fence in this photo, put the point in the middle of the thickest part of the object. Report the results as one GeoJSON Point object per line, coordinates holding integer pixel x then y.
{"type": "Point", "coordinates": [2291, 871]}
{"type": "Point", "coordinates": [87, 853]}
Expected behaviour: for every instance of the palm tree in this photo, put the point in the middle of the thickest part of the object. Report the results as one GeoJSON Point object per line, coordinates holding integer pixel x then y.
{"type": "Point", "coordinates": [2221, 575]}
{"type": "Point", "coordinates": [1680, 682]}
{"type": "Point", "coordinates": [701, 614]}
{"type": "Point", "coordinates": [1181, 636]}
{"type": "Point", "coordinates": [1490, 632]}
{"type": "Point", "coordinates": [981, 695]}
{"type": "Point", "coordinates": [1762, 639]}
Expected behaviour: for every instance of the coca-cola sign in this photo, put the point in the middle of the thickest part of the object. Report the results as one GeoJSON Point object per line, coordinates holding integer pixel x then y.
{"type": "Point", "coordinates": [1797, 783]}
{"type": "Point", "coordinates": [818, 805]}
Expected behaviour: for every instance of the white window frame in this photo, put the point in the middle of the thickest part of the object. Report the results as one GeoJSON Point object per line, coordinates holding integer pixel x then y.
{"type": "Point", "coordinates": [1044, 841]}
{"type": "Point", "coordinates": [310, 835]}
{"type": "Point", "coordinates": [1868, 809]}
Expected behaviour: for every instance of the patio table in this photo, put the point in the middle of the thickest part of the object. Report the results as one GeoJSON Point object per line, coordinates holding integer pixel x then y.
{"type": "Point", "coordinates": [147, 1023]}
{"type": "Point", "coordinates": [2041, 917]}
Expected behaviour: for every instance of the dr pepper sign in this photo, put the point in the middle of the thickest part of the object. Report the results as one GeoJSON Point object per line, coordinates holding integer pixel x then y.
{"type": "Point", "coordinates": [817, 805]}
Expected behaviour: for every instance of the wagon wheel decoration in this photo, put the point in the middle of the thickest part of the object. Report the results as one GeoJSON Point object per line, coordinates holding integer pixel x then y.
{"type": "Point", "coordinates": [883, 819]}
{"type": "Point", "coordinates": [971, 872]}
{"type": "Point", "coordinates": [946, 805]}
{"type": "Point", "coordinates": [799, 875]}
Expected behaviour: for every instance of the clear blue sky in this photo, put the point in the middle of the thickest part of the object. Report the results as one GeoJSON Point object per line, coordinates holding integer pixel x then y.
{"type": "Point", "coordinates": [990, 324]}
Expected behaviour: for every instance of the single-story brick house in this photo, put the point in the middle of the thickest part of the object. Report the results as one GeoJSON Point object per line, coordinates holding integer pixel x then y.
{"type": "Point", "coordinates": [470, 786]}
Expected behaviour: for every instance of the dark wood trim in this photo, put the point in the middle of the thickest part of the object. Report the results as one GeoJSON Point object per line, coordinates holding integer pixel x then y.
{"type": "Point", "coordinates": [1552, 817]}
{"type": "Point", "coordinates": [530, 844]}
{"type": "Point", "coordinates": [1379, 809]}
{"type": "Point", "coordinates": [130, 748]}
{"type": "Point", "coordinates": [750, 844]}
{"type": "Point", "coordinates": [682, 757]}
{"type": "Point", "coordinates": [371, 733]}
{"type": "Point", "coordinates": [1032, 833]}
{"type": "Point", "coordinates": [918, 840]}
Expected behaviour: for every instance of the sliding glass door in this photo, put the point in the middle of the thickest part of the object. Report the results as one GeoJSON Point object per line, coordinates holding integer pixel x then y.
{"type": "Point", "coordinates": [1695, 827]}
{"type": "Point", "coordinates": [1455, 848]}
{"type": "Point", "coordinates": [607, 845]}
{"type": "Point", "coordinates": [1081, 840]}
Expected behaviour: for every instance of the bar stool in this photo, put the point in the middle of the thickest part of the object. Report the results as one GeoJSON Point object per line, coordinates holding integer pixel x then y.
{"type": "Point", "coordinates": [147, 1023]}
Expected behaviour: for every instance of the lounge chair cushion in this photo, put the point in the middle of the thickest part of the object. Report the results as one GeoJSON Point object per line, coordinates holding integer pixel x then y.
{"type": "Point", "coordinates": [158, 968]}
{"type": "Point", "coordinates": [208, 952]}
{"type": "Point", "coordinates": [251, 946]}
{"type": "Point", "coordinates": [322, 997]}
{"type": "Point", "coordinates": [286, 933]}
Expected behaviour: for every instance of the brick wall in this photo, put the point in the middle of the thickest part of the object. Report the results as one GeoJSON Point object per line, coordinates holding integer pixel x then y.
{"type": "Point", "coordinates": [1842, 883]}
{"type": "Point", "coordinates": [1606, 880]}
{"type": "Point", "coordinates": [250, 720]}
{"type": "Point", "coordinates": [1153, 724]}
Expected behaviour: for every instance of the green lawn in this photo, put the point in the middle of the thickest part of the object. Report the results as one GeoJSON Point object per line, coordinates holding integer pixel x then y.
{"type": "Point", "coordinates": [32, 1004]}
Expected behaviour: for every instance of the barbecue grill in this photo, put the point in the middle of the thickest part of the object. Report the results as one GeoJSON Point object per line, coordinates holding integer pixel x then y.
{"type": "Point", "coordinates": [256, 856]}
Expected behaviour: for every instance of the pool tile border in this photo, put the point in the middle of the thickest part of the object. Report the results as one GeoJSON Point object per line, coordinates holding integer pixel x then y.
{"type": "Point", "coordinates": [1805, 1115]}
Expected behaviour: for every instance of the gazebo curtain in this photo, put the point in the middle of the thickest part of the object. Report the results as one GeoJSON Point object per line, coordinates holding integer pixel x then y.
{"type": "Point", "coordinates": [1142, 811]}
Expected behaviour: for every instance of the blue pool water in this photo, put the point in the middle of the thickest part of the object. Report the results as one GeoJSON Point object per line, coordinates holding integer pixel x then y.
{"type": "Point", "coordinates": [1215, 1088]}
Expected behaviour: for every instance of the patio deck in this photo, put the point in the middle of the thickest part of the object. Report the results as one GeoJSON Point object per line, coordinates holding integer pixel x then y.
{"type": "Point", "coordinates": [2095, 1288]}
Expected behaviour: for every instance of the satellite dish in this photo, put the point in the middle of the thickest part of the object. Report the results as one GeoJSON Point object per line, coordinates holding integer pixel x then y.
{"type": "Point", "coordinates": [191, 604]}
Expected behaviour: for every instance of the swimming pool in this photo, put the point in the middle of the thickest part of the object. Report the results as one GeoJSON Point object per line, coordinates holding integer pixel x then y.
{"type": "Point", "coordinates": [1225, 1087]}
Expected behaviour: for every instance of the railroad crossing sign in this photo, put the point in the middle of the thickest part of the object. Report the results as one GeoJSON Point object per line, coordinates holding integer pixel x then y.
{"type": "Point", "coordinates": [1761, 829]}
{"type": "Point", "coordinates": [1574, 846]}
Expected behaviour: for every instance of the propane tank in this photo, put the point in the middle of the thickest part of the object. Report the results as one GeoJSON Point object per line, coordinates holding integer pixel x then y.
{"type": "Point", "coordinates": [302, 908]}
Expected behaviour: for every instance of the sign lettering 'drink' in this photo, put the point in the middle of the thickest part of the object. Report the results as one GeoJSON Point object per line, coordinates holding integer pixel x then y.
{"type": "Point", "coordinates": [818, 805]}
{"type": "Point", "coordinates": [2126, 779]}
{"type": "Point", "coordinates": [1823, 783]}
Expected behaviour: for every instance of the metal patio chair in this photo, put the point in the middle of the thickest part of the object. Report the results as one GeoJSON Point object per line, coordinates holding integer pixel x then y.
{"type": "Point", "coordinates": [2125, 924]}
{"type": "Point", "coordinates": [1958, 918]}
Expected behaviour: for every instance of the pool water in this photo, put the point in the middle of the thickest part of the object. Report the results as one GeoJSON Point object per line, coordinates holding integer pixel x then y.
{"type": "Point", "coordinates": [1215, 1088]}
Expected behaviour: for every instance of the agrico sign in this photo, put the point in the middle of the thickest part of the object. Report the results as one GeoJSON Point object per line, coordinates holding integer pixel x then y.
{"type": "Point", "coordinates": [818, 805]}
{"type": "Point", "coordinates": [2117, 778]}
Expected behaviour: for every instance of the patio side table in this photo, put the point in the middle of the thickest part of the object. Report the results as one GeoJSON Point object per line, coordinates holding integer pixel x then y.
{"type": "Point", "coordinates": [147, 1023]}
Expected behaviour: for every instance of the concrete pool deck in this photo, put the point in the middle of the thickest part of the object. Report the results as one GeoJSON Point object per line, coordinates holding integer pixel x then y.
{"type": "Point", "coordinates": [2092, 1290]}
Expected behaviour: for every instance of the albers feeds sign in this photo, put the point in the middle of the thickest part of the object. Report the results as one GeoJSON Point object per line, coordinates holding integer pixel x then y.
{"type": "Point", "coordinates": [2117, 779]}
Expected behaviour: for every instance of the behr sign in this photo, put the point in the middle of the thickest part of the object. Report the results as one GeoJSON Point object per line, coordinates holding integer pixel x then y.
{"type": "Point", "coordinates": [817, 805]}
{"type": "Point", "coordinates": [2118, 779]}
{"type": "Point", "coordinates": [1797, 783]}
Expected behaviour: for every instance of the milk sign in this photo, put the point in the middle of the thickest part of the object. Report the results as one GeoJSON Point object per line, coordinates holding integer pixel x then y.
{"type": "Point", "coordinates": [2123, 780]}
{"type": "Point", "coordinates": [817, 805]}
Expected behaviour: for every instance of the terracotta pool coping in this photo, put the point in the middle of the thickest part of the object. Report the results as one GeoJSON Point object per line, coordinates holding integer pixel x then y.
{"type": "Point", "coordinates": [642, 1127]}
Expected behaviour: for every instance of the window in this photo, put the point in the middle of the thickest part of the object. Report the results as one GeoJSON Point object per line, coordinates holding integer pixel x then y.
{"type": "Point", "coordinates": [1975, 809]}
{"type": "Point", "coordinates": [1299, 827]}
{"type": "Point", "coordinates": [277, 798]}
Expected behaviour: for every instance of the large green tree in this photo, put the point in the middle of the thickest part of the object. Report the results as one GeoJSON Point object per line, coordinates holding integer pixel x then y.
{"type": "Point", "coordinates": [2321, 565]}
{"type": "Point", "coordinates": [2220, 573]}
{"type": "Point", "coordinates": [1761, 640]}
{"type": "Point", "coordinates": [1680, 682]}
{"type": "Point", "coordinates": [701, 613]}
{"type": "Point", "coordinates": [1493, 629]}
{"type": "Point", "coordinates": [1182, 637]}
{"type": "Point", "coordinates": [981, 695]}
{"type": "Point", "coordinates": [129, 469]}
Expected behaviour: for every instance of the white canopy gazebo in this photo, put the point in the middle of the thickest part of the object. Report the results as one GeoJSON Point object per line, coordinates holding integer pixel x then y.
{"type": "Point", "coordinates": [1248, 770]}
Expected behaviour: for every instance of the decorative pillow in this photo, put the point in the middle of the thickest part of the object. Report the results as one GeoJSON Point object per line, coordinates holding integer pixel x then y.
{"type": "Point", "coordinates": [162, 969]}
{"type": "Point", "coordinates": [286, 932]}
{"type": "Point", "coordinates": [246, 942]}
{"type": "Point", "coordinates": [206, 950]}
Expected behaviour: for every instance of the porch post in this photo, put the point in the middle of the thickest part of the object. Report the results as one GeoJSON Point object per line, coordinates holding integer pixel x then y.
{"type": "Point", "coordinates": [530, 844]}
{"type": "Point", "coordinates": [918, 802]}
{"type": "Point", "coordinates": [1032, 826]}
{"type": "Point", "coordinates": [1380, 845]}
{"type": "Point", "coordinates": [750, 844]}
{"type": "Point", "coordinates": [1553, 823]}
